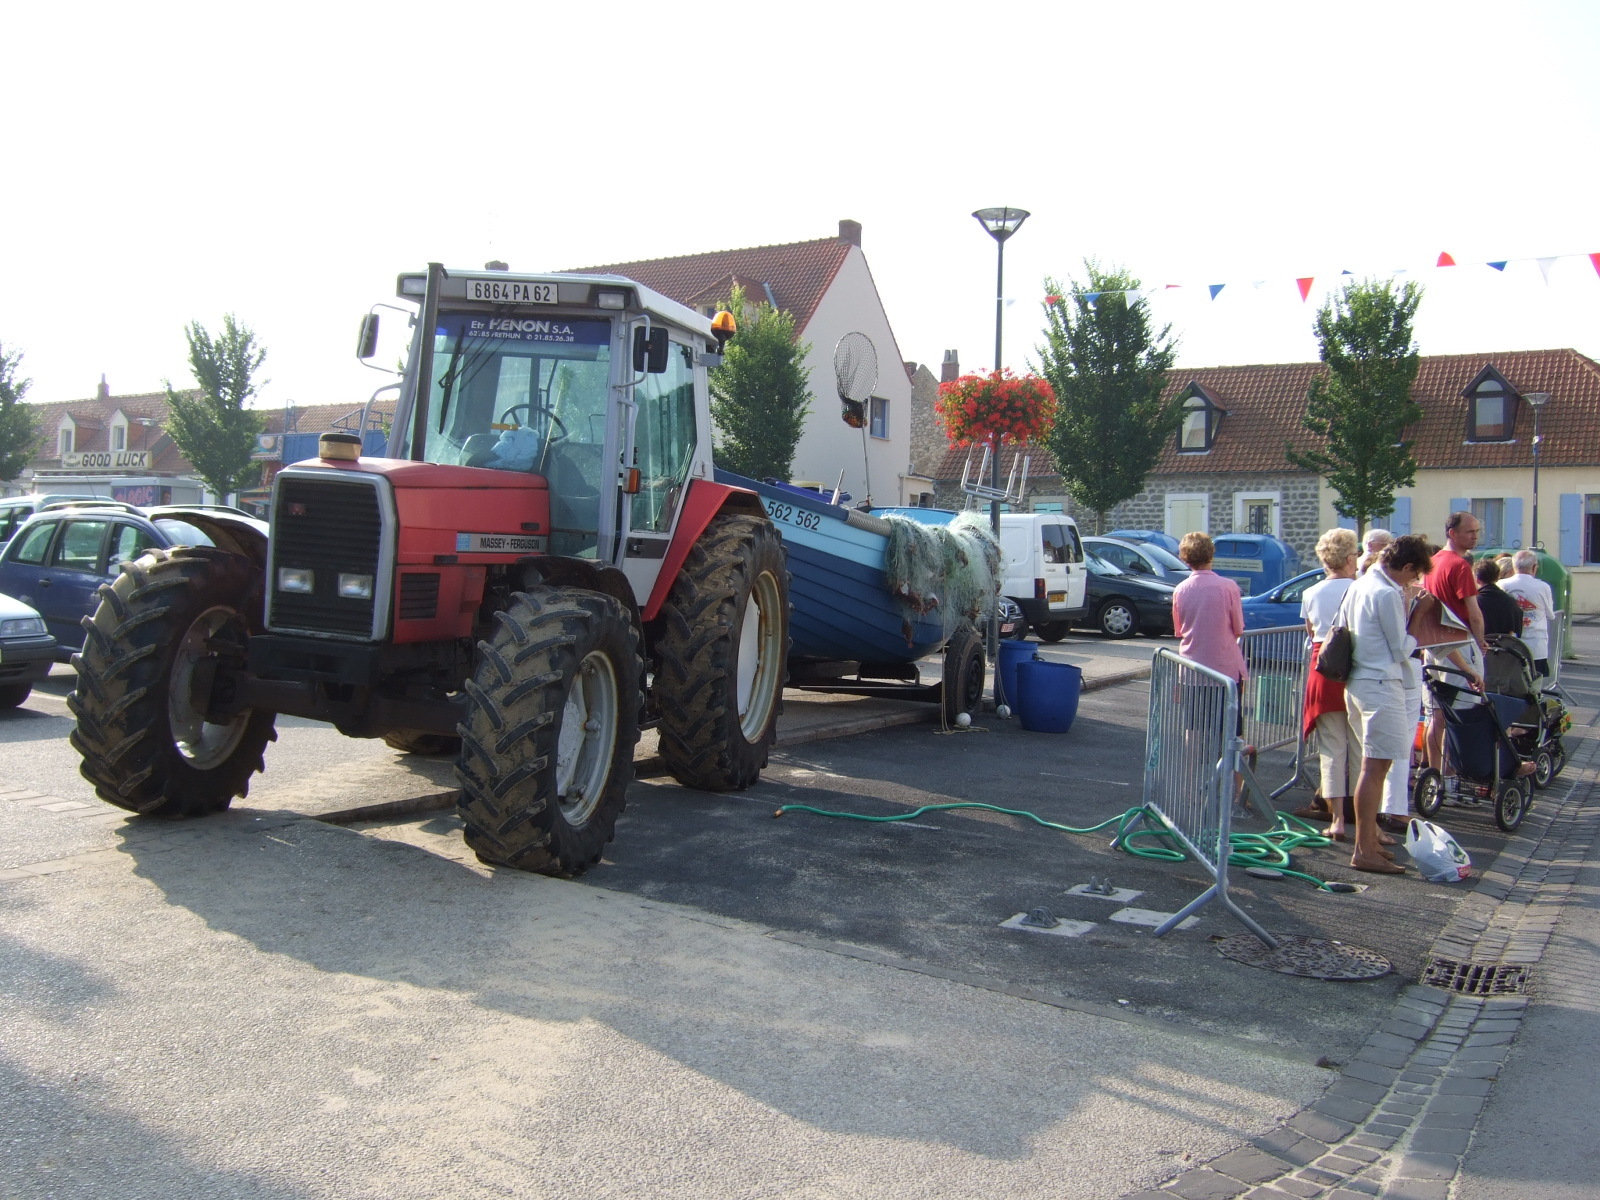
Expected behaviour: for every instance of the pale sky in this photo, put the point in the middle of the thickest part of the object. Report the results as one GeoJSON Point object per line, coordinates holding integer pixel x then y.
{"type": "Point", "coordinates": [168, 162]}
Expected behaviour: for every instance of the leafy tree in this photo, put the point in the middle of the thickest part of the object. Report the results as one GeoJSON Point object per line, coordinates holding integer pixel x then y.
{"type": "Point", "coordinates": [212, 427]}
{"type": "Point", "coordinates": [16, 422]}
{"type": "Point", "coordinates": [760, 395]}
{"type": "Point", "coordinates": [1108, 367]}
{"type": "Point", "coordinates": [1362, 406]}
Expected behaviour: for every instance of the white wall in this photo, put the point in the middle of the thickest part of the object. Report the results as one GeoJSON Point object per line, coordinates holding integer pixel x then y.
{"type": "Point", "coordinates": [828, 445]}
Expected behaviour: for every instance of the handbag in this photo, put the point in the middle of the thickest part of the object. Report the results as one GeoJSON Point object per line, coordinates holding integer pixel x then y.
{"type": "Point", "coordinates": [1338, 653]}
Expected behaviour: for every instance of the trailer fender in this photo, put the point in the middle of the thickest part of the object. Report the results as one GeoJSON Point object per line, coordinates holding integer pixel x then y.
{"type": "Point", "coordinates": [705, 500]}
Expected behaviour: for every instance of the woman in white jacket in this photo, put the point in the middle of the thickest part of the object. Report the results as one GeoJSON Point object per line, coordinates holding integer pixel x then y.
{"type": "Point", "coordinates": [1375, 694]}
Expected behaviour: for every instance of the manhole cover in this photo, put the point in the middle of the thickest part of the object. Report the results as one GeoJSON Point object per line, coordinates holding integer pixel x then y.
{"type": "Point", "coordinates": [1312, 958]}
{"type": "Point", "coordinates": [1475, 979]}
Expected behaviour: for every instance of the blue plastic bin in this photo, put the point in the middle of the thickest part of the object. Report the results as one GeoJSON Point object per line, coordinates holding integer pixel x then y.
{"type": "Point", "coordinates": [1049, 693]}
{"type": "Point", "coordinates": [1013, 654]}
{"type": "Point", "coordinates": [1255, 561]}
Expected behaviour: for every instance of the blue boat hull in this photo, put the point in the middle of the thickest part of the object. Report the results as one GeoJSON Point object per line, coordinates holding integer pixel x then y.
{"type": "Point", "coordinates": [842, 609]}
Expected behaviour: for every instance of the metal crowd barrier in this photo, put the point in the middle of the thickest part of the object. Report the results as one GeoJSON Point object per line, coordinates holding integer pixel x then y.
{"type": "Point", "coordinates": [1191, 756]}
{"type": "Point", "coordinates": [1275, 692]}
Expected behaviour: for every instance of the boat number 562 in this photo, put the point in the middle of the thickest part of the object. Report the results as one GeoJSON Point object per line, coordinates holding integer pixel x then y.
{"type": "Point", "coordinates": [790, 516]}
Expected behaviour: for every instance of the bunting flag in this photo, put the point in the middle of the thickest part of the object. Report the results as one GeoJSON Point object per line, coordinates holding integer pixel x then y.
{"type": "Point", "coordinates": [1544, 268]}
{"type": "Point", "coordinates": [1346, 272]}
{"type": "Point", "coordinates": [1445, 260]}
{"type": "Point", "coordinates": [1501, 265]}
{"type": "Point", "coordinates": [1305, 287]}
{"type": "Point", "coordinates": [1594, 259]}
{"type": "Point", "coordinates": [1091, 297]}
{"type": "Point", "coordinates": [1215, 288]}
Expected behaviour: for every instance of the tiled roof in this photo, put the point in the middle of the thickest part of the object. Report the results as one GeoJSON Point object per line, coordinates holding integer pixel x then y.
{"type": "Point", "coordinates": [1265, 407]}
{"type": "Point", "coordinates": [798, 274]}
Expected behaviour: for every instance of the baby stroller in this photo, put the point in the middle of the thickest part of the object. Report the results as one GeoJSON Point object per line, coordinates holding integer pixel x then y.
{"type": "Point", "coordinates": [1478, 740]}
{"type": "Point", "coordinates": [1536, 731]}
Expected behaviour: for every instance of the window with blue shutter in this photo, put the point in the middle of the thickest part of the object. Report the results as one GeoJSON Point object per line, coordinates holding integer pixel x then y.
{"type": "Point", "coordinates": [1573, 519]}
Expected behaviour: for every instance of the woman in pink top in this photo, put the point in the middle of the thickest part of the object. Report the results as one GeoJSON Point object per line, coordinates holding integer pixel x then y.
{"type": "Point", "coordinates": [1208, 611]}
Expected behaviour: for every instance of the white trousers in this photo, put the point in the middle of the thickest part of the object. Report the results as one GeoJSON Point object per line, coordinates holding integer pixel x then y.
{"type": "Point", "coordinates": [1338, 753]}
{"type": "Point", "coordinates": [1397, 786]}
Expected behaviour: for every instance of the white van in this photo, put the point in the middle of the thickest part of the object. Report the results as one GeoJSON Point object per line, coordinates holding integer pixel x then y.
{"type": "Point", "coordinates": [1043, 571]}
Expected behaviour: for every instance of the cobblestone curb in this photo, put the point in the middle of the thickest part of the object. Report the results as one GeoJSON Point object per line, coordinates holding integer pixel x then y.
{"type": "Point", "coordinates": [1402, 1114]}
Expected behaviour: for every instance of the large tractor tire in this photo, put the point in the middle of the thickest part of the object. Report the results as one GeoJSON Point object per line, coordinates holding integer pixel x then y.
{"type": "Point", "coordinates": [723, 651]}
{"type": "Point", "coordinates": [145, 677]}
{"type": "Point", "coordinates": [547, 748]}
{"type": "Point", "coordinates": [420, 741]}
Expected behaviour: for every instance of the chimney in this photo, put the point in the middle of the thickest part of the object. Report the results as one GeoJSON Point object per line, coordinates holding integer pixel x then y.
{"type": "Point", "coordinates": [850, 231]}
{"type": "Point", "coordinates": [951, 367]}
{"type": "Point", "coordinates": [103, 392]}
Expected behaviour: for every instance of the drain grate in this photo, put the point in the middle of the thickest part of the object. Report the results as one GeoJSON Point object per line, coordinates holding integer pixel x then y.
{"type": "Point", "coordinates": [1475, 979]}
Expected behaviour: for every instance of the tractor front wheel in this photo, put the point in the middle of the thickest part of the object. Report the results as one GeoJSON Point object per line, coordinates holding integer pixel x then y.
{"type": "Point", "coordinates": [723, 647]}
{"type": "Point", "coordinates": [148, 674]}
{"type": "Point", "coordinates": [547, 747]}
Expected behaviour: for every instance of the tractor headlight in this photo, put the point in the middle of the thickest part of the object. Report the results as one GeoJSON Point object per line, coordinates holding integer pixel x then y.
{"type": "Point", "coordinates": [355, 587]}
{"type": "Point", "coordinates": [295, 579]}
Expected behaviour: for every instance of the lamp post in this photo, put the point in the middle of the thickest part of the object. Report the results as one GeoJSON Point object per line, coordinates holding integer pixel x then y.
{"type": "Point", "coordinates": [1538, 400]}
{"type": "Point", "coordinates": [1000, 223]}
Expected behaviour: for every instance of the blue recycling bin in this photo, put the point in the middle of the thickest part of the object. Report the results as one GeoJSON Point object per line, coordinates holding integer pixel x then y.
{"type": "Point", "coordinates": [1049, 693]}
{"type": "Point", "coordinates": [1255, 561]}
{"type": "Point", "coordinates": [1011, 655]}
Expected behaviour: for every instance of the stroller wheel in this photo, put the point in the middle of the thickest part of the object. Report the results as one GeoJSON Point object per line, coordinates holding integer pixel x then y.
{"type": "Point", "coordinates": [1427, 793]}
{"type": "Point", "coordinates": [1560, 761]}
{"type": "Point", "coordinates": [1544, 767]}
{"type": "Point", "coordinates": [1511, 803]}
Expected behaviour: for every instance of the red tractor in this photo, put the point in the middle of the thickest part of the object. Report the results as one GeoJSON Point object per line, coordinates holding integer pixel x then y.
{"type": "Point", "coordinates": [541, 567]}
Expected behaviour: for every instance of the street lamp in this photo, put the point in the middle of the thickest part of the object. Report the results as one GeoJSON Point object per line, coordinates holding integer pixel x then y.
{"type": "Point", "coordinates": [1538, 400]}
{"type": "Point", "coordinates": [1001, 223]}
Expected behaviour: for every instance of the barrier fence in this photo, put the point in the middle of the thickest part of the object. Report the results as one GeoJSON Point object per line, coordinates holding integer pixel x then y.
{"type": "Point", "coordinates": [1192, 753]}
{"type": "Point", "coordinates": [1275, 691]}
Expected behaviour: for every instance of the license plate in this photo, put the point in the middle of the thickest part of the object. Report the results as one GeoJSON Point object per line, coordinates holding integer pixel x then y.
{"type": "Point", "coordinates": [511, 291]}
{"type": "Point", "coordinates": [1058, 597]}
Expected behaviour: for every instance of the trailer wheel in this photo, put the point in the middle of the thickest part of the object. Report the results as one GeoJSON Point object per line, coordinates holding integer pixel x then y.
{"type": "Point", "coordinates": [419, 741]}
{"type": "Point", "coordinates": [964, 675]}
{"type": "Point", "coordinates": [547, 747]}
{"type": "Point", "coordinates": [722, 649]}
{"type": "Point", "coordinates": [146, 678]}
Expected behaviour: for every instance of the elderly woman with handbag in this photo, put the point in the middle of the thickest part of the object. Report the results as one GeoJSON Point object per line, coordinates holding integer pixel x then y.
{"type": "Point", "coordinates": [1338, 752]}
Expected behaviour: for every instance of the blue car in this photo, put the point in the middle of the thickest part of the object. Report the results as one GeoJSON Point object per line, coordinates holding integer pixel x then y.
{"type": "Point", "coordinates": [1280, 605]}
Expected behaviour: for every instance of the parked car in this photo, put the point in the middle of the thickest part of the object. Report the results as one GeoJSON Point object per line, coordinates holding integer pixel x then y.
{"type": "Point", "coordinates": [1124, 604]}
{"type": "Point", "coordinates": [14, 510]}
{"type": "Point", "coordinates": [1012, 623]}
{"type": "Point", "coordinates": [26, 651]}
{"type": "Point", "coordinates": [1280, 605]}
{"type": "Point", "coordinates": [61, 555]}
{"type": "Point", "coordinates": [1139, 558]}
{"type": "Point", "coordinates": [1165, 540]}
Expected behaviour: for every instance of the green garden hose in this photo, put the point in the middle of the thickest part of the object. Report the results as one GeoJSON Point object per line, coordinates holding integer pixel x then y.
{"type": "Point", "coordinates": [1155, 840]}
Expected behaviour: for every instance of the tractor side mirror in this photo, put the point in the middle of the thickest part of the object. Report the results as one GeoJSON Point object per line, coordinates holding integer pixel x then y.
{"type": "Point", "coordinates": [649, 350]}
{"type": "Point", "coordinates": [367, 342]}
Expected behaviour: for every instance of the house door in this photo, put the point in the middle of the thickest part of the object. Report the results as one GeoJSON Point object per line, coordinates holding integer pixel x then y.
{"type": "Point", "coordinates": [1188, 514]}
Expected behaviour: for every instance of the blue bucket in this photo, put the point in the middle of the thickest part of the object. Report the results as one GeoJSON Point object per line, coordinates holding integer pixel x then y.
{"type": "Point", "coordinates": [1047, 693]}
{"type": "Point", "coordinates": [1011, 654]}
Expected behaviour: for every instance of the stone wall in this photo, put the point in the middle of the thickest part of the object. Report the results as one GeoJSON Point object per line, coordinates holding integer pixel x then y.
{"type": "Point", "coordinates": [928, 443]}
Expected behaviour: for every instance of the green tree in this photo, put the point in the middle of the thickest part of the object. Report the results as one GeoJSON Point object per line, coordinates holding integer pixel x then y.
{"type": "Point", "coordinates": [760, 395]}
{"type": "Point", "coordinates": [212, 427]}
{"type": "Point", "coordinates": [16, 422]}
{"type": "Point", "coordinates": [1108, 366]}
{"type": "Point", "coordinates": [1361, 408]}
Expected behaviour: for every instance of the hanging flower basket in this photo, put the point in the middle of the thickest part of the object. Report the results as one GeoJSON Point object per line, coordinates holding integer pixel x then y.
{"type": "Point", "coordinates": [977, 408]}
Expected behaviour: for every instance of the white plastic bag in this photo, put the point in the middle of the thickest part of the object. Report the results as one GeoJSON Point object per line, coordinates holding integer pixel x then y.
{"type": "Point", "coordinates": [1438, 856]}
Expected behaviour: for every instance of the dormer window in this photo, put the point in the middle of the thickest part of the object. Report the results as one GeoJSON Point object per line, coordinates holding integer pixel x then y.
{"type": "Point", "coordinates": [1491, 407]}
{"type": "Point", "coordinates": [119, 432]}
{"type": "Point", "coordinates": [64, 436]}
{"type": "Point", "coordinates": [1201, 416]}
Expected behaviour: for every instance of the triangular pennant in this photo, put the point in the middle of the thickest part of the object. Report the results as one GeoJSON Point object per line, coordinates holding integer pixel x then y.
{"type": "Point", "coordinates": [1595, 259]}
{"type": "Point", "coordinates": [1174, 285]}
{"type": "Point", "coordinates": [1134, 296]}
{"type": "Point", "coordinates": [1091, 297]}
{"type": "Point", "coordinates": [1501, 265]}
{"type": "Point", "coordinates": [1052, 300]}
{"type": "Point", "coordinates": [1347, 272]}
{"type": "Point", "coordinates": [1544, 268]}
{"type": "Point", "coordinates": [1256, 283]}
{"type": "Point", "coordinates": [1305, 287]}
{"type": "Point", "coordinates": [1445, 260]}
{"type": "Point", "coordinates": [1215, 288]}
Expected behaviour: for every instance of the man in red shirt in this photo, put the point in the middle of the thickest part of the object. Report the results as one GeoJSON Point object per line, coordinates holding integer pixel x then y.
{"type": "Point", "coordinates": [1452, 582]}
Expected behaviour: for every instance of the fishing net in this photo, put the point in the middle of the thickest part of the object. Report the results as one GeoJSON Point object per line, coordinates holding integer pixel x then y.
{"type": "Point", "coordinates": [945, 573]}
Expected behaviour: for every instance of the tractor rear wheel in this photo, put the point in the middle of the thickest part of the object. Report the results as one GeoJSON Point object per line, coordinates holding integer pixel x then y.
{"type": "Point", "coordinates": [547, 747]}
{"type": "Point", "coordinates": [723, 648]}
{"type": "Point", "coordinates": [146, 683]}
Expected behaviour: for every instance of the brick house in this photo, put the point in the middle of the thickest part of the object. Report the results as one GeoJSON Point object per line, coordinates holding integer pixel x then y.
{"type": "Point", "coordinates": [1226, 471]}
{"type": "Point", "coordinates": [828, 288]}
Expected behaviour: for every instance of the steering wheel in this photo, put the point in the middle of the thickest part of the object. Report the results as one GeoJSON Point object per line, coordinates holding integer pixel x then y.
{"type": "Point", "coordinates": [555, 421]}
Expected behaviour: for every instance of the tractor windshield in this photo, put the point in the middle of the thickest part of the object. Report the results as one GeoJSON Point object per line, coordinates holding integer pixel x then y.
{"type": "Point", "coordinates": [521, 393]}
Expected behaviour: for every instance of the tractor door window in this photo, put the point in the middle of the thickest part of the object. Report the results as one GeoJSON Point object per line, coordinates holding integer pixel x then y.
{"type": "Point", "coordinates": [663, 442]}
